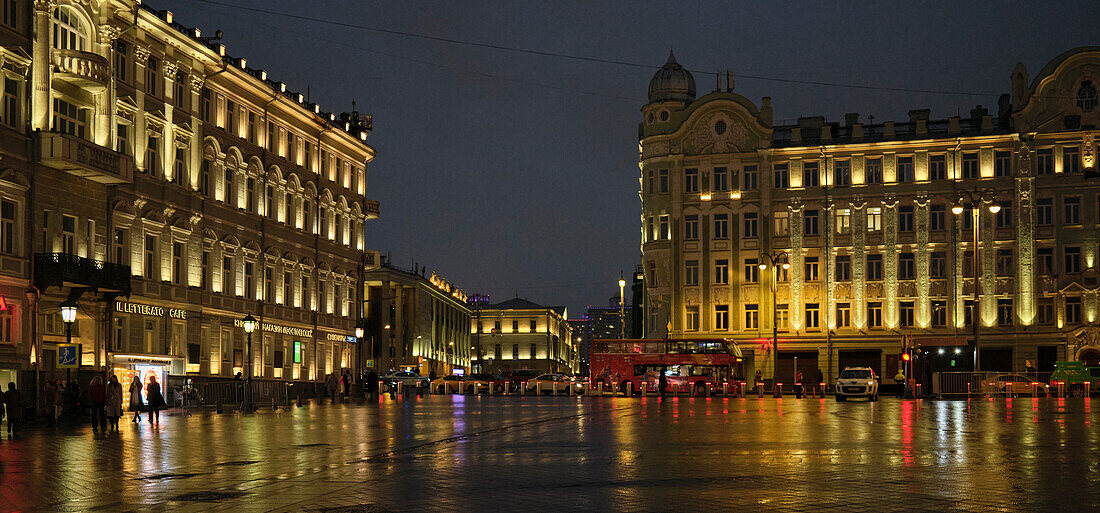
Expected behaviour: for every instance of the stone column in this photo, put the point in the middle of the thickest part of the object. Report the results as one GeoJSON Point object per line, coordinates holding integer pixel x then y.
{"type": "Point", "coordinates": [40, 65]}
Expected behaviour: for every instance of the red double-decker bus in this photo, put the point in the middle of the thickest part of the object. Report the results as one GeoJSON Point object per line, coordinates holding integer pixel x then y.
{"type": "Point", "coordinates": [690, 365]}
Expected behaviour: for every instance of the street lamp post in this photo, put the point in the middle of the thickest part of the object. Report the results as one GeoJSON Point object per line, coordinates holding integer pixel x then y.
{"type": "Point", "coordinates": [68, 314]}
{"type": "Point", "coordinates": [249, 324]}
{"type": "Point", "coordinates": [775, 260]}
{"type": "Point", "coordinates": [622, 310]}
{"type": "Point", "coordinates": [974, 199]}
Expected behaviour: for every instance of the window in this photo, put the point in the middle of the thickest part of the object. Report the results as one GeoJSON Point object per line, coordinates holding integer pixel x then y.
{"type": "Point", "coordinates": [691, 227]}
{"type": "Point", "coordinates": [721, 226]}
{"type": "Point", "coordinates": [649, 186]}
{"type": "Point", "coordinates": [11, 105]}
{"type": "Point", "coordinates": [68, 235]}
{"type": "Point", "coordinates": [250, 283]}
{"type": "Point", "coordinates": [179, 175]}
{"type": "Point", "coordinates": [874, 267]}
{"type": "Point", "coordinates": [664, 235]}
{"type": "Point", "coordinates": [874, 219]}
{"type": "Point", "coordinates": [874, 314]}
{"type": "Point", "coordinates": [905, 218]}
{"type": "Point", "coordinates": [752, 270]}
{"type": "Point", "coordinates": [937, 264]}
{"type": "Point", "coordinates": [810, 264]}
{"type": "Point", "coordinates": [907, 266]}
{"type": "Point", "coordinates": [1073, 310]}
{"type": "Point", "coordinates": [873, 173]}
{"type": "Point", "coordinates": [227, 275]}
{"type": "Point", "coordinates": [1071, 159]}
{"type": "Point", "coordinates": [207, 100]}
{"type": "Point", "coordinates": [843, 315]}
{"type": "Point", "coordinates": [67, 117]}
{"type": "Point", "coordinates": [970, 165]}
{"type": "Point", "coordinates": [1044, 260]}
{"type": "Point", "coordinates": [842, 173]}
{"type": "Point", "coordinates": [152, 156]}
{"type": "Point", "coordinates": [272, 132]}
{"type": "Point", "coordinates": [1002, 163]}
{"type": "Point", "coordinates": [11, 13]}
{"type": "Point", "coordinates": [1086, 96]}
{"type": "Point", "coordinates": [782, 223]}
{"type": "Point", "coordinates": [750, 225]}
{"type": "Point", "coordinates": [7, 227]}
{"type": "Point", "coordinates": [722, 271]}
{"type": "Point", "coordinates": [151, 76]}
{"type": "Point", "coordinates": [692, 318]}
{"type": "Point", "coordinates": [905, 314]}
{"type": "Point", "coordinates": [752, 317]}
{"type": "Point", "coordinates": [662, 182]}
{"type": "Point", "coordinates": [177, 262]}
{"type": "Point", "coordinates": [307, 298]}
{"type": "Point", "coordinates": [844, 221]}
{"type": "Point", "coordinates": [180, 95]}
{"type": "Point", "coordinates": [1004, 215]}
{"type": "Point", "coordinates": [1004, 312]}
{"type": "Point", "coordinates": [68, 31]}
{"type": "Point", "coordinates": [939, 314]}
{"type": "Point", "coordinates": [515, 351]}
{"type": "Point", "coordinates": [843, 267]}
{"type": "Point", "coordinates": [937, 167]}
{"type": "Point", "coordinates": [269, 208]}
{"type": "Point", "coordinates": [905, 169]}
{"type": "Point", "coordinates": [250, 194]}
{"type": "Point", "coordinates": [251, 128]}
{"type": "Point", "coordinates": [937, 218]}
{"type": "Point", "coordinates": [204, 279]}
{"type": "Point", "coordinates": [1073, 259]}
{"type": "Point", "coordinates": [532, 351]}
{"type": "Point", "coordinates": [269, 286]}
{"type": "Point", "coordinates": [290, 147]}
{"type": "Point", "coordinates": [749, 178]}
{"type": "Point", "coordinates": [691, 272]}
{"type": "Point", "coordinates": [533, 327]}
{"type": "Point", "coordinates": [151, 257]}
{"type": "Point", "coordinates": [782, 316]}
{"type": "Point", "coordinates": [721, 179]}
{"type": "Point", "coordinates": [811, 175]}
{"type": "Point", "coordinates": [722, 317]}
{"type": "Point", "coordinates": [1071, 208]}
{"type": "Point", "coordinates": [809, 222]}
{"type": "Point", "coordinates": [1044, 211]}
{"type": "Point", "coordinates": [1044, 161]}
{"type": "Point", "coordinates": [1046, 311]}
{"type": "Point", "coordinates": [813, 315]}
{"type": "Point", "coordinates": [118, 247]}
{"type": "Point", "coordinates": [782, 174]}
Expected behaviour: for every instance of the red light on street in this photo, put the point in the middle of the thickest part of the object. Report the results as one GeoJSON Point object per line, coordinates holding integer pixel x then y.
{"type": "Point", "coordinates": [905, 356]}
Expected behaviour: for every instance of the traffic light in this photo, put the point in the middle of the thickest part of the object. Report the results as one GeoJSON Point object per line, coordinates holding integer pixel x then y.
{"type": "Point", "coordinates": [905, 356]}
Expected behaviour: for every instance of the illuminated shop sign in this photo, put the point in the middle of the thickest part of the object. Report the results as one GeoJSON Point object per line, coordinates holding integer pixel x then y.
{"type": "Point", "coordinates": [155, 311]}
{"type": "Point", "coordinates": [341, 338]}
{"type": "Point", "coordinates": [276, 328]}
{"type": "Point", "coordinates": [297, 352]}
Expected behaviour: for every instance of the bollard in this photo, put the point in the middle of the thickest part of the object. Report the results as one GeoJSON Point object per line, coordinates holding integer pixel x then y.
{"type": "Point", "coordinates": [778, 389]}
{"type": "Point", "coordinates": [706, 388]}
{"type": "Point", "coordinates": [299, 399]}
{"type": "Point", "coordinates": [538, 388]}
{"type": "Point", "coordinates": [760, 389]}
{"type": "Point", "coordinates": [274, 407]}
{"type": "Point", "coordinates": [798, 390]}
{"type": "Point", "coordinates": [744, 385]}
{"type": "Point", "coordinates": [218, 405]}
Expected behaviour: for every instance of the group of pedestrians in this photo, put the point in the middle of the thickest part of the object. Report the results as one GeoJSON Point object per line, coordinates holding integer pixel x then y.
{"type": "Point", "coordinates": [66, 401]}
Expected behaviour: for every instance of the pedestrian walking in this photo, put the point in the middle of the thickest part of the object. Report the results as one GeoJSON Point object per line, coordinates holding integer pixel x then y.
{"type": "Point", "coordinates": [136, 404]}
{"type": "Point", "coordinates": [662, 381]}
{"type": "Point", "coordinates": [819, 383]}
{"type": "Point", "coordinates": [899, 378]}
{"type": "Point", "coordinates": [70, 401]}
{"type": "Point", "coordinates": [49, 392]}
{"type": "Point", "coordinates": [58, 401]}
{"type": "Point", "coordinates": [114, 401]}
{"type": "Point", "coordinates": [798, 386]}
{"type": "Point", "coordinates": [372, 384]}
{"type": "Point", "coordinates": [97, 399]}
{"type": "Point", "coordinates": [345, 383]}
{"type": "Point", "coordinates": [156, 400]}
{"type": "Point", "coordinates": [330, 387]}
{"type": "Point", "coordinates": [758, 380]}
{"type": "Point", "coordinates": [13, 408]}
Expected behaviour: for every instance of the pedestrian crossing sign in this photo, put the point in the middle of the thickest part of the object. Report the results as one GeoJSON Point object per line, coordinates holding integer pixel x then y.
{"type": "Point", "coordinates": [68, 356]}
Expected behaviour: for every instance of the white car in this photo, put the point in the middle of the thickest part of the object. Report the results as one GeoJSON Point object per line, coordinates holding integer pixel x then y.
{"type": "Point", "coordinates": [857, 382]}
{"type": "Point", "coordinates": [564, 384]}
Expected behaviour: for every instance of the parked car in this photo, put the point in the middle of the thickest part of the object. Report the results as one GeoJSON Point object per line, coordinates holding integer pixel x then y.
{"type": "Point", "coordinates": [857, 382]}
{"type": "Point", "coordinates": [451, 384]}
{"type": "Point", "coordinates": [565, 384]}
{"type": "Point", "coordinates": [406, 378]}
{"type": "Point", "coordinates": [1016, 384]}
{"type": "Point", "coordinates": [518, 378]}
{"type": "Point", "coordinates": [489, 383]}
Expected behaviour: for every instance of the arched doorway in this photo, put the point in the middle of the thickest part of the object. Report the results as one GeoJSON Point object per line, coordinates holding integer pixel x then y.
{"type": "Point", "coordinates": [1090, 356]}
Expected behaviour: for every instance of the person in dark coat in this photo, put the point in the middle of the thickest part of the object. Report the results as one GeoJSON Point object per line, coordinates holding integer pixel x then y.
{"type": "Point", "coordinates": [372, 384]}
{"type": "Point", "coordinates": [70, 399]}
{"type": "Point", "coordinates": [136, 404]}
{"type": "Point", "coordinates": [662, 381]}
{"type": "Point", "coordinates": [13, 407]}
{"type": "Point", "coordinates": [97, 396]}
{"type": "Point", "coordinates": [819, 383]}
{"type": "Point", "coordinates": [156, 400]}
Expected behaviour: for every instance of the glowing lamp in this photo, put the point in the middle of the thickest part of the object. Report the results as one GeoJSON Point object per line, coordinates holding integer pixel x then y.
{"type": "Point", "coordinates": [763, 266]}
{"type": "Point", "coordinates": [957, 209]}
{"type": "Point", "coordinates": [905, 356]}
{"type": "Point", "coordinates": [622, 282]}
{"type": "Point", "coordinates": [994, 208]}
{"type": "Point", "coordinates": [786, 265]}
{"type": "Point", "coordinates": [249, 323]}
{"type": "Point", "coordinates": [358, 332]}
{"type": "Point", "coordinates": [68, 311]}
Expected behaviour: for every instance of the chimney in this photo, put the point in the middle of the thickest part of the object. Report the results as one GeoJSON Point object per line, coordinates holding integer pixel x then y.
{"type": "Point", "coordinates": [851, 118]}
{"type": "Point", "coordinates": [953, 125]}
{"type": "Point", "coordinates": [796, 135]}
{"type": "Point", "coordinates": [919, 119]}
{"type": "Point", "coordinates": [729, 81]}
{"type": "Point", "coordinates": [888, 130]}
{"type": "Point", "coordinates": [766, 111]}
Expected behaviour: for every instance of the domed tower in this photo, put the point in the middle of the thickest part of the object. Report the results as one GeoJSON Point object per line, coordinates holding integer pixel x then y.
{"type": "Point", "coordinates": [671, 89]}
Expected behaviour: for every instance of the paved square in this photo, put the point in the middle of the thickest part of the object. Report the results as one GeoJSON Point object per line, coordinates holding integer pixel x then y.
{"type": "Point", "coordinates": [471, 454]}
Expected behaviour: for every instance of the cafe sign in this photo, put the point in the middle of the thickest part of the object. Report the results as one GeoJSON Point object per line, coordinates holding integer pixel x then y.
{"type": "Point", "coordinates": [277, 328]}
{"type": "Point", "coordinates": [155, 311]}
{"type": "Point", "coordinates": [340, 338]}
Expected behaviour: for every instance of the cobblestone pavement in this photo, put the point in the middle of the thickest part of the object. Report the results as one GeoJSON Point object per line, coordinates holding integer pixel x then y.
{"type": "Point", "coordinates": [473, 454]}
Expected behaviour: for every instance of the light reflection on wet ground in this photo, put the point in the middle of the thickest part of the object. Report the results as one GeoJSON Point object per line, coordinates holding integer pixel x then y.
{"type": "Point", "coordinates": [444, 453]}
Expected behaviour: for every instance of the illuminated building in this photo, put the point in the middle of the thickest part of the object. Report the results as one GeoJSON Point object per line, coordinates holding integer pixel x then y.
{"type": "Point", "coordinates": [863, 213]}
{"type": "Point", "coordinates": [519, 334]}
{"type": "Point", "coordinates": [175, 190]}
{"type": "Point", "coordinates": [600, 323]}
{"type": "Point", "coordinates": [415, 322]}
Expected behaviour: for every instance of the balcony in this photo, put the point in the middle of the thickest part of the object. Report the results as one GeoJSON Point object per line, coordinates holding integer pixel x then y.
{"type": "Point", "coordinates": [65, 270]}
{"type": "Point", "coordinates": [85, 69]}
{"type": "Point", "coordinates": [370, 209]}
{"type": "Point", "coordinates": [85, 159]}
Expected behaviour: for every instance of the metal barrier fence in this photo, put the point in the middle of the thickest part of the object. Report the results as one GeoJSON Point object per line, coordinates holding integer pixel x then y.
{"type": "Point", "coordinates": [228, 394]}
{"type": "Point", "coordinates": [989, 383]}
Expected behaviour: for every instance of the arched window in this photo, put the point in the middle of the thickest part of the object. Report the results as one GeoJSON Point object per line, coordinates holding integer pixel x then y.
{"type": "Point", "coordinates": [1086, 96]}
{"type": "Point", "coordinates": [69, 32]}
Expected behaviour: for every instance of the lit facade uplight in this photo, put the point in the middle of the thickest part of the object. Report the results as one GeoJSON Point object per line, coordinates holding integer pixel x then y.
{"type": "Point", "coordinates": [705, 196]}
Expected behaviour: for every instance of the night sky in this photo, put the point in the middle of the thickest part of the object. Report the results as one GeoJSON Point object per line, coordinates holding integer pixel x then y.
{"type": "Point", "coordinates": [512, 173]}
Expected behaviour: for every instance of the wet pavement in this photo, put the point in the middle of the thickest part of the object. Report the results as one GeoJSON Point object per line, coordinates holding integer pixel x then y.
{"type": "Point", "coordinates": [474, 454]}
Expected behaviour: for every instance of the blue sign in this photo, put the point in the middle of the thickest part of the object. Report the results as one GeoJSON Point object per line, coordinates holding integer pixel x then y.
{"type": "Point", "coordinates": [68, 356]}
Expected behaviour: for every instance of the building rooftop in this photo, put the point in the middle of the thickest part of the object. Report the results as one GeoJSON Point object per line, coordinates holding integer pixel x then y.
{"type": "Point", "coordinates": [518, 303]}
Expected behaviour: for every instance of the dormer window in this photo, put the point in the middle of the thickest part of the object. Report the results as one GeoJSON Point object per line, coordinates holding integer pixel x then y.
{"type": "Point", "coordinates": [68, 31]}
{"type": "Point", "coordinates": [1086, 96]}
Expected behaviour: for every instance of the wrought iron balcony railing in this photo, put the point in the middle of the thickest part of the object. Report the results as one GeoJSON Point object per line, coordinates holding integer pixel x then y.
{"type": "Point", "coordinates": [61, 269]}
